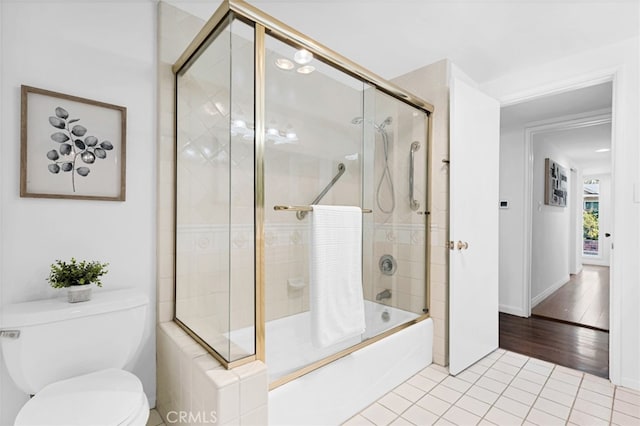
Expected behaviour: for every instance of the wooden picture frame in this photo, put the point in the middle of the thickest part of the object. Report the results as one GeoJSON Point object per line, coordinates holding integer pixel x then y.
{"type": "Point", "coordinates": [556, 184]}
{"type": "Point", "coordinates": [71, 147]}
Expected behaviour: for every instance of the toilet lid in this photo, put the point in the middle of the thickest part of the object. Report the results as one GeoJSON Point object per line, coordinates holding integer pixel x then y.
{"type": "Point", "coordinates": [106, 397]}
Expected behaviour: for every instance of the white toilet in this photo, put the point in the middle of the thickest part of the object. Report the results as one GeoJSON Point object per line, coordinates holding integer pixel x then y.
{"type": "Point", "coordinates": [72, 356]}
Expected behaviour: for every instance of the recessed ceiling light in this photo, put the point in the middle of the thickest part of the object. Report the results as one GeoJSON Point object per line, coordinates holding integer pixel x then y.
{"type": "Point", "coordinates": [303, 56]}
{"type": "Point", "coordinates": [307, 69]}
{"type": "Point", "coordinates": [284, 64]}
{"type": "Point", "coordinates": [603, 150]}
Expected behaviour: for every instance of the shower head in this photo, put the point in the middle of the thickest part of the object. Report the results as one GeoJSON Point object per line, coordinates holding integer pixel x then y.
{"type": "Point", "coordinates": [379, 127]}
{"type": "Point", "coordinates": [386, 122]}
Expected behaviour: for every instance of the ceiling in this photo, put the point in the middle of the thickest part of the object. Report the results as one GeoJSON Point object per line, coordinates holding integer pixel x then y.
{"type": "Point", "coordinates": [485, 38]}
{"type": "Point", "coordinates": [587, 99]}
{"type": "Point", "coordinates": [579, 144]}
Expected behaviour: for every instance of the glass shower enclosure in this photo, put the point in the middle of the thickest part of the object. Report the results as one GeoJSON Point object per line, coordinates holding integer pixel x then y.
{"type": "Point", "coordinates": [269, 123]}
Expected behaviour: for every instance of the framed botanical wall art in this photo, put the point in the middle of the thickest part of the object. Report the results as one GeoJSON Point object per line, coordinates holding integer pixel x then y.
{"type": "Point", "coordinates": [555, 184]}
{"type": "Point", "coordinates": [71, 147]}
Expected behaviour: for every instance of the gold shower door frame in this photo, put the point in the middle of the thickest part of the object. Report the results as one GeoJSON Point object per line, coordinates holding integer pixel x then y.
{"type": "Point", "coordinates": [264, 24]}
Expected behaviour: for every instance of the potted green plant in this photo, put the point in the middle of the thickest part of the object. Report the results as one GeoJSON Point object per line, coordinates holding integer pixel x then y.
{"type": "Point", "coordinates": [77, 277]}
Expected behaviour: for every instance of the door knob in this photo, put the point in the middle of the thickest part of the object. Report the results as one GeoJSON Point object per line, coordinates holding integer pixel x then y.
{"type": "Point", "coordinates": [462, 246]}
{"type": "Point", "coordinates": [607, 234]}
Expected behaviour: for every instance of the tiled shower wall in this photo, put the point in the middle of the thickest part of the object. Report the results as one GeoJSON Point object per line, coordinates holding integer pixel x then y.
{"type": "Point", "coordinates": [406, 243]}
{"type": "Point", "coordinates": [401, 233]}
{"type": "Point", "coordinates": [431, 84]}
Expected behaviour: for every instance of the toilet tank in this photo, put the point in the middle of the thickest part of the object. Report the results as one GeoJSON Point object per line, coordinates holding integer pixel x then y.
{"type": "Point", "coordinates": [59, 340]}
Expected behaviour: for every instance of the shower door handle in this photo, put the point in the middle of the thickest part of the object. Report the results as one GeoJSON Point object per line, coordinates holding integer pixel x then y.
{"type": "Point", "coordinates": [413, 204]}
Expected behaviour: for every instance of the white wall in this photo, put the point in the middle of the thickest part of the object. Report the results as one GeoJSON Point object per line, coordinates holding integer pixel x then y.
{"type": "Point", "coordinates": [620, 60]}
{"type": "Point", "coordinates": [98, 50]}
{"type": "Point", "coordinates": [575, 222]}
{"type": "Point", "coordinates": [550, 227]}
{"type": "Point", "coordinates": [512, 232]}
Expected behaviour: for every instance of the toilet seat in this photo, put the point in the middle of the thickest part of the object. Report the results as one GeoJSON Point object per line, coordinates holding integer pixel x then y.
{"type": "Point", "coordinates": [108, 397]}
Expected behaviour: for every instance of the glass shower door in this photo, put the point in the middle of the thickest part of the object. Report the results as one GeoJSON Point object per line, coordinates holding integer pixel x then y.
{"type": "Point", "coordinates": [333, 140]}
{"type": "Point", "coordinates": [312, 149]}
{"type": "Point", "coordinates": [214, 194]}
{"type": "Point", "coordinates": [395, 185]}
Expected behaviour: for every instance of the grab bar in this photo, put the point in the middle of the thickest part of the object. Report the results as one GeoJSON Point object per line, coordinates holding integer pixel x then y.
{"type": "Point", "coordinates": [414, 204]}
{"type": "Point", "coordinates": [301, 214]}
{"type": "Point", "coordinates": [305, 209]}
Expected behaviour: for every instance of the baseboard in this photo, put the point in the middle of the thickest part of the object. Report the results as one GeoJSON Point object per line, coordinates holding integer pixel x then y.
{"type": "Point", "coordinates": [596, 262]}
{"type": "Point", "coordinates": [577, 271]}
{"type": "Point", "coordinates": [539, 298]}
{"type": "Point", "coordinates": [630, 383]}
{"type": "Point", "coordinates": [512, 310]}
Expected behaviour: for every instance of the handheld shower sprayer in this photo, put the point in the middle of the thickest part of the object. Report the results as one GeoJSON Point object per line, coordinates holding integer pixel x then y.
{"type": "Point", "coordinates": [386, 172]}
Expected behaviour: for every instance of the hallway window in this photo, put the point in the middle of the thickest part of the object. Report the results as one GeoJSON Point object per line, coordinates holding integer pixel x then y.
{"type": "Point", "coordinates": [590, 213]}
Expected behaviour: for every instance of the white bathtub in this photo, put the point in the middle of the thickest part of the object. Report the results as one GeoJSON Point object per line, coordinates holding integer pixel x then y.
{"type": "Point", "coordinates": [288, 339]}
{"type": "Point", "coordinates": [337, 391]}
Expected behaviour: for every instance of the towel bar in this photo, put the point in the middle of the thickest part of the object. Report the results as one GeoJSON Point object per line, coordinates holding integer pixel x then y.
{"type": "Point", "coordinates": [305, 209]}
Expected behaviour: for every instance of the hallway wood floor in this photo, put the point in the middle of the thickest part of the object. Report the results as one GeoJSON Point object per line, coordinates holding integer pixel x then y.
{"type": "Point", "coordinates": [584, 300]}
{"type": "Point", "coordinates": [568, 345]}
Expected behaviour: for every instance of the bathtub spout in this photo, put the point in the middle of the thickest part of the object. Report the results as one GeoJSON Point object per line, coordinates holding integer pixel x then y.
{"type": "Point", "coordinates": [385, 294]}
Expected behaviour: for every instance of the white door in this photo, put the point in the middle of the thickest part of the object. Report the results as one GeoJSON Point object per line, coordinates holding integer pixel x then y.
{"type": "Point", "coordinates": [473, 267]}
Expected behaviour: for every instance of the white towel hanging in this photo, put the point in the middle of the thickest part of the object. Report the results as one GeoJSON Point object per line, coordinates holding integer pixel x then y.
{"type": "Point", "coordinates": [336, 298]}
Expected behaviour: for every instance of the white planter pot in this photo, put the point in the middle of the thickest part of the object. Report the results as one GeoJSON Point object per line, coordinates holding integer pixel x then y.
{"type": "Point", "coordinates": [79, 293]}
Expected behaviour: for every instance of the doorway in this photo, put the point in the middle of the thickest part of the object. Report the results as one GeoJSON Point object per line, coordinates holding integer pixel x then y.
{"type": "Point", "coordinates": [559, 282]}
{"type": "Point", "coordinates": [569, 269]}
{"type": "Point", "coordinates": [584, 299]}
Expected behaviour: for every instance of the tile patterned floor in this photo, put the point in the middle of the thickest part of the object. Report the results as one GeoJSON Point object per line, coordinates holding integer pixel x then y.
{"type": "Point", "coordinates": [504, 388]}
